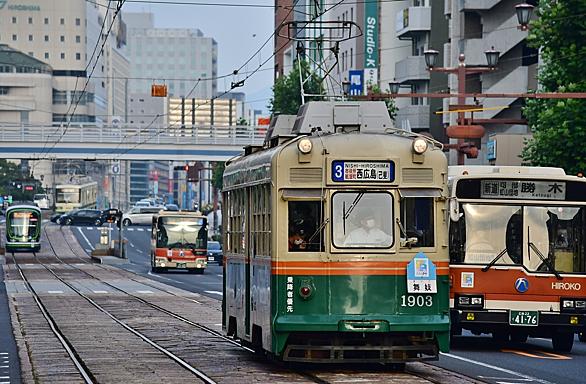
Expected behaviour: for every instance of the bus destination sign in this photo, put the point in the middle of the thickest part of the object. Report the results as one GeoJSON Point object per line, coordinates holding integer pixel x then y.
{"type": "Point", "coordinates": [363, 171]}
{"type": "Point", "coordinates": [523, 189]}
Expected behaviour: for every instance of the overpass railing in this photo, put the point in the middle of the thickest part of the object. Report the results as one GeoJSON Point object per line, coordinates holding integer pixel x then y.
{"type": "Point", "coordinates": [128, 134]}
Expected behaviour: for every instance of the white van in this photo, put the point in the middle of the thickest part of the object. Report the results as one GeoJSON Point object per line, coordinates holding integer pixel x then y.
{"type": "Point", "coordinates": [41, 200]}
{"type": "Point", "coordinates": [140, 216]}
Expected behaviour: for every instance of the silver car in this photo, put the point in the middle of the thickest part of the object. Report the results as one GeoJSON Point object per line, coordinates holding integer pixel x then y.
{"type": "Point", "coordinates": [140, 216]}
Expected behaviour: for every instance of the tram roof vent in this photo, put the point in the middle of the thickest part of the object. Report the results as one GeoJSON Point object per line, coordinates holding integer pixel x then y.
{"type": "Point", "coordinates": [343, 116]}
{"type": "Point", "coordinates": [280, 125]}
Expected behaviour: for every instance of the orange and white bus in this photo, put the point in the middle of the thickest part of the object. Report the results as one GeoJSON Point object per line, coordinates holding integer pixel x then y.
{"type": "Point", "coordinates": [517, 243]}
{"type": "Point", "coordinates": [179, 241]}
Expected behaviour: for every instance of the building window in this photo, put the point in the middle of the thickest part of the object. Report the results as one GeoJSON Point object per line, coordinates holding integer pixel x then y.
{"type": "Point", "coordinates": [62, 38]}
{"type": "Point", "coordinates": [62, 22]}
{"type": "Point", "coordinates": [59, 97]}
{"type": "Point", "coordinates": [30, 20]}
{"type": "Point", "coordinates": [13, 19]}
{"type": "Point", "coordinates": [3, 90]}
{"type": "Point", "coordinates": [13, 37]}
{"type": "Point", "coordinates": [62, 56]}
{"type": "Point", "coordinates": [30, 37]}
{"type": "Point", "coordinates": [78, 21]}
{"type": "Point", "coordinates": [46, 20]}
{"type": "Point", "coordinates": [78, 39]}
{"type": "Point", "coordinates": [78, 56]}
{"type": "Point", "coordinates": [46, 55]}
{"type": "Point", "coordinates": [46, 37]}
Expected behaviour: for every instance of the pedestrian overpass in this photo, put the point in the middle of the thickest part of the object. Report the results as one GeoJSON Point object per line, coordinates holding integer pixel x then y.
{"type": "Point", "coordinates": [125, 142]}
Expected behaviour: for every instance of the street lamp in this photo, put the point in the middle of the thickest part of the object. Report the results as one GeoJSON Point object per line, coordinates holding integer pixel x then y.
{"type": "Point", "coordinates": [524, 12]}
{"type": "Point", "coordinates": [463, 130]}
{"type": "Point", "coordinates": [430, 57]}
{"type": "Point", "coordinates": [346, 87]}
{"type": "Point", "coordinates": [394, 87]}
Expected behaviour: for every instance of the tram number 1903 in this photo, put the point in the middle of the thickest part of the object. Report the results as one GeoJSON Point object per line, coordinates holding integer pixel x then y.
{"type": "Point", "coordinates": [416, 301]}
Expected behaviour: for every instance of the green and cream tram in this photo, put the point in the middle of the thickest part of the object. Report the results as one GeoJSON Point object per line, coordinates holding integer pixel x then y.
{"type": "Point", "coordinates": [335, 239]}
{"type": "Point", "coordinates": [23, 228]}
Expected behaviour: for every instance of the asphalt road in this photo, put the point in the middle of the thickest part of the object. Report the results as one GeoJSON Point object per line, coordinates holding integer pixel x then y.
{"type": "Point", "coordinates": [475, 356]}
{"type": "Point", "coordinates": [9, 363]}
{"type": "Point", "coordinates": [138, 253]}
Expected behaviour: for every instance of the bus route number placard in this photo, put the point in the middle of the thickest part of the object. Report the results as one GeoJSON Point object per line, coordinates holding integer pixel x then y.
{"type": "Point", "coordinates": [363, 171]}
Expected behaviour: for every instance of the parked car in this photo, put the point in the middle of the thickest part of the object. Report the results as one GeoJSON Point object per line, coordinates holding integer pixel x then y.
{"type": "Point", "coordinates": [83, 216]}
{"type": "Point", "coordinates": [215, 253]}
{"type": "Point", "coordinates": [140, 215]}
{"type": "Point", "coordinates": [171, 207]}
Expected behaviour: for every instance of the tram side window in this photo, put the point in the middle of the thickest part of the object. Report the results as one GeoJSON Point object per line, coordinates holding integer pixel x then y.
{"type": "Point", "coordinates": [305, 234]}
{"type": "Point", "coordinates": [417, 221]}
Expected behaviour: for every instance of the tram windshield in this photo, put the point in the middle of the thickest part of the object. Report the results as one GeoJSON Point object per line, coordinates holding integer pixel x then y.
{"type": "Point", "coordinates": [542, 239]}
{"type": "Point", "coordinates": [23, 223]}
{"type": "Point", "coordinates": [362, 219]}
{"type": "Point", "coordinates": [182, 232]}
{"type": "Point", "coordinates": [68, 195]}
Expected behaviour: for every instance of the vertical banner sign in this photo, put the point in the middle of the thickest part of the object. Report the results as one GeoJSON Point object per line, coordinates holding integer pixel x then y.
{"type": "Point", "coordinates": [370, 43]}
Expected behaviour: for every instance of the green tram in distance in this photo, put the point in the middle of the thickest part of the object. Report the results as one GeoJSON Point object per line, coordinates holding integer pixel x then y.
{"type": "Point", "coordinates": [23, 229]}
{"type": "Point", "coordinates": [335, 240]}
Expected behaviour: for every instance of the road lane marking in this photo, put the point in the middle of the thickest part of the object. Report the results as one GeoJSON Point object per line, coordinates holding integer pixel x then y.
{"type": "Point", "coordinates": [130, 229]}
{"type": "Point", "coordinates": [132, 245]}
{"type": "Point", "coordinates": [54, 291]}
{"type": "Point", "coordinates": [100, 291]}
{"type": "Point", "coordinates": [85, 238]}
{"type": "Point", "coordinates": [502, 378]}
{"type": "Point", "coordinates": [510, 372]}
{"type": "Point", "coordinates": [89, 228]}
{"type": "Point", "coordinates": [548, 355]}
{"type": "Point", "coordinates": [140, 229]}
{"type": "Point", "coordinates": [144, 292]}
{"type": "Point", "coordinates": [214, 292]}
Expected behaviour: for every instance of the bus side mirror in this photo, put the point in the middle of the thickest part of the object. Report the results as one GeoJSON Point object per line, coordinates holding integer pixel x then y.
{"type": "Point", "coordinates": [454, 210]}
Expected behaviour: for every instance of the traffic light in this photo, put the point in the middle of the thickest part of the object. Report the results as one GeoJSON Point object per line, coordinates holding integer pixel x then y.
{"type": "Point", "coordinates": [193, 173]}
{"type": "Point", "coordinates": [181, 168]}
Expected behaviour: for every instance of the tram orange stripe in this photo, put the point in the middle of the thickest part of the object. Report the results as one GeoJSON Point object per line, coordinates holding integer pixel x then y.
{"type": "Point", "coordinates": [392, 268]}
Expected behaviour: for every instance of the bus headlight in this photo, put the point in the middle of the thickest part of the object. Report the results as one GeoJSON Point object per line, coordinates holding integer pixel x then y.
{"type": "Point", "coordinates": [567, 303]}
{"type": "Point", "coordinates": [419, 146]}
{"type": "Point", "coordinates": [470, 301]}
{"type": "Point", "coordinates": [304, 146]}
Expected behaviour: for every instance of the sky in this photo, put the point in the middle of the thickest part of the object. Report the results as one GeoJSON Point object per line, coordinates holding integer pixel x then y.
{"type": "Point", "coordinates": [239, 31]}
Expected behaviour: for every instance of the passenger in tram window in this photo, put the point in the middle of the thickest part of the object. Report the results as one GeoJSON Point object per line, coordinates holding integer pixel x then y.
{"type": "Point", "coordinates": [297, 240]}
{"type": "Point", "coordinates": [369, 233]}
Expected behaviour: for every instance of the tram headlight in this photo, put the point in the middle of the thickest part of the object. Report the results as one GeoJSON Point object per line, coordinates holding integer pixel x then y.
{"type": "Point", "coordinates": [419, 146]}
{"type": "Point", "coordinates": [304, 146]}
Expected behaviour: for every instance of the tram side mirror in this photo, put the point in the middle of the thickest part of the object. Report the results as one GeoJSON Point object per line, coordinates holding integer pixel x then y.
{"type": "Point", "coordinates": [454, 210]}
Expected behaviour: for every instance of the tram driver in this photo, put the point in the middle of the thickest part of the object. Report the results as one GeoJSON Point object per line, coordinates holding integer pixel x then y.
{"type": "Point", "coordinates": [369, 233]}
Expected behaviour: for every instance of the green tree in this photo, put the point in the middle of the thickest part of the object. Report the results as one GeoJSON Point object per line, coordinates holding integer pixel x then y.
{"type": "Point", "coordinates": [287, 90]}
{"type": "Point", "coordinates": [218, 174]}
{"type": "Point", "coordinates": [391, 107]}
{"type": "Point", "coordinates": [558, 125]}
{"type": "Point", "coordinates": [11, 176]}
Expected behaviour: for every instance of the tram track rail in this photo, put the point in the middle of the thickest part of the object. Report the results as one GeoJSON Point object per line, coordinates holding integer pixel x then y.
{"type": "Point", "coordinates": [214, 333]}
{"type": "Point", "coordinates": [125, 306]}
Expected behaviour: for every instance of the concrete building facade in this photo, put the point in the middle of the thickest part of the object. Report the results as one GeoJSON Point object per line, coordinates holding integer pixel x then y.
{"type": "Point", "coordinates": [177, 57]}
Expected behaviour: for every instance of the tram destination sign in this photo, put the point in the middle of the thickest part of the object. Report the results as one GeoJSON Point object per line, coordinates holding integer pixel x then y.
{"type": "Point", "coordinates": [523, 189]}
{"type": "Point", "coordinates": [363, 171]}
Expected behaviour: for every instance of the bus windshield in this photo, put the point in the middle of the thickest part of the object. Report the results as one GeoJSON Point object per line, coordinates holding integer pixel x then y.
{"type": "Point", "coordinates": [23, 223]}
{"type": "Point", "coordinates": [182, 232]}
{"type": "Point", "coordinates": [541, 238]}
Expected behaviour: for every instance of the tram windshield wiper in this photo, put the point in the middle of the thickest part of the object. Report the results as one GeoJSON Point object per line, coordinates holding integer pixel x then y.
{"type": "Point", "coordinates": [346, 214]}
{"type": "Point", "coordinates": [493, 261]}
